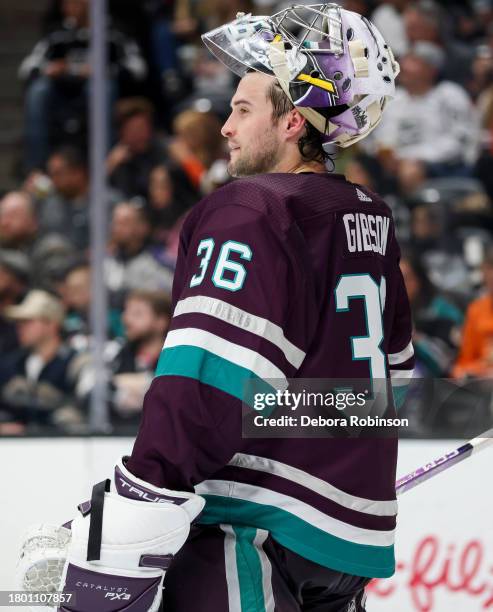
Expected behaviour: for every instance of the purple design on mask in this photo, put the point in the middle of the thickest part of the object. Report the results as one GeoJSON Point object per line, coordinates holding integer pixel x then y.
{"type": "Point", "coordinates": [316, 98]}
{"type": "Point", "coordinates": [158, 561]}
{"type": "Point", "coordinates": [68, 525]}
{"type": "Point", "coordinates": [133, 490]}
{"type": "Point", "coordinates": [107, 592]}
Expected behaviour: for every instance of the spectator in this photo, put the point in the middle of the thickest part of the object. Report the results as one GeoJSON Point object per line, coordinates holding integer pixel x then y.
{"type": "Point", "coordinates": [436, 320]}
{"type": "Point", "coordinates": [75, 291]}
{"type": "Point", "coordinates": [366, 170]}
{"type": "Point", "coordinates": [170, 196]}
{"type": "Point", "coordinates": [481, 78]}
{"type": "Point", "coordinates": [57, 72]}
{"type": "Point", "coordinates": [389, 21]}
{"type": "Point", "coordinates": [138, 149]}
{"type": "Point", "coordinates": [482, 81]}
{"type": "Point", "coordinates": [426, 21]}
{"type": "Point", "coordinates": [439, 247]}
{"type": "Point", "coordinates": [169, 26]}
{"type": "Point", "coordinates": [476, 351]}
{"type": "Point", "coordinates": [18, 223]}
{"type": "Point", "coordinates": [39, 383]}
{"type": "Point", "coordinates": [14, 278]}
{"type": "Point", "coordinates": [197, 144]}
{"type": "Point", "coordinates": [19, 232]}
{"type": "Point", "coordinates": [130, 264]}
{"type": "Point", "coordinates": [431, 127]}
{"type": "Point", "coordinates": [65, 211]}
{"type": "Point", "coordinates": [146, 318]}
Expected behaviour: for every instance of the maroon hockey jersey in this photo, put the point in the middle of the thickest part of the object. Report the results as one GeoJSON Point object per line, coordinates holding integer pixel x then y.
{"type": "Point", "coordinates": [282, 276]}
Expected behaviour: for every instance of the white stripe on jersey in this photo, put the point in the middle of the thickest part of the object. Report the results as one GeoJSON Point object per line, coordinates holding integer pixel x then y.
{"type": "Point", "coordinates": [258, 541]}
{"type": "Point", "coordinates": [241, 319]}
{"type": "Point", "coordinates": [309, 514]}
{"type": "Point", "coordinates": [401, 356]}
{"type": "Point", "coordinates": [232, 580]}
{"type": "Point", "coordinates": [321, 487]}
{"type": "Point", "coordinates": [399, 378]}
{"type": "Point", "coordinates": [241, 356]}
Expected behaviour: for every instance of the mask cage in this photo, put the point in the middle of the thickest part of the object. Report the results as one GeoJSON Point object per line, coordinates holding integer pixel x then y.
{"type": "Point", "coordinates": [312, 26]}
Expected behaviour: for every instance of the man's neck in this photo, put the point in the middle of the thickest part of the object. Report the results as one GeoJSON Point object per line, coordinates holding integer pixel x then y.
{"type": "Point", "coordinates": [298, 166]}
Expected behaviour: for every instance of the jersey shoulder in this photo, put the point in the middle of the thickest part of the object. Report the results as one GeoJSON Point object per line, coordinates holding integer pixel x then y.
{"type": "Point", "coordinates": [243, 201]}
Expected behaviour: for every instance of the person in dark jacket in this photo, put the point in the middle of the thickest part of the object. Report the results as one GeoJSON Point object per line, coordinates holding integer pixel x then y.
{"type": "Point", "coordinates": [43, 381]}
{"type": "Point", "coordinates": [57, 74]}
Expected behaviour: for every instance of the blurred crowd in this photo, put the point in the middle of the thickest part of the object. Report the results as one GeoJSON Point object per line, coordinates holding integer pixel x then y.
{"type": "Point", "coordinates": [431, 158]}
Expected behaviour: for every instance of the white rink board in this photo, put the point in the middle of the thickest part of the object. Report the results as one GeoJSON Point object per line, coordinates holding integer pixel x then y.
{"type": "Point", "coordinates": [445, 533]}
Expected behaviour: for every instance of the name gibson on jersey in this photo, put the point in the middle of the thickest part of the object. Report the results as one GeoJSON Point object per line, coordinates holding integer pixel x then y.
{"type": "Point", "coordinates": [366, 232]}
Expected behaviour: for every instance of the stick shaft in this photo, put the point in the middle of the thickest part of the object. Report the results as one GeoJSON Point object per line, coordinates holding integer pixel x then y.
{"type": "Point", "coordinates": [431, 469]}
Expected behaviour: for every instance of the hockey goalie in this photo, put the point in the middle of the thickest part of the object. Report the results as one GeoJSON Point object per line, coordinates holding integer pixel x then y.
{"type": "Point", "coordinates": [288, 272]}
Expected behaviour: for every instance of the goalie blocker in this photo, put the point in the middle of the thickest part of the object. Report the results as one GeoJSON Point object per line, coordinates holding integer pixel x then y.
{"type": "Point", "coordinates": [121, 544]}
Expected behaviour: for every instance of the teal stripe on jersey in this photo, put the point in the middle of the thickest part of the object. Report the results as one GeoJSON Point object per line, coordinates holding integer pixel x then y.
{"type": "Point", "coordinates": [249, 570]}
{"type": "Point", "coordinates": [210, 369]}
{"type": "Point", "coordinates": [301, 537]}
{"type": "Point", "coordinates": [399, 394]}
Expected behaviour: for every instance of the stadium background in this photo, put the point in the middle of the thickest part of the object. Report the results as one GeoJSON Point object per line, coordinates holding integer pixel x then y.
{"type": "Point", "coordinates": [76, 369]}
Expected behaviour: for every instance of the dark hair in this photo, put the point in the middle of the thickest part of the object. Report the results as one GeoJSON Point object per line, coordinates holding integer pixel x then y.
{"type": "Point", "coordinates": [138, 205]}
{"type": "Point", "coordinates": [158, 301]}
{"type": "Point", "coordinates": [132, 107]}
{"type": "Point", "coordinates": [72, 156]}
{"type": "Point", "coordinates": [309, 145]}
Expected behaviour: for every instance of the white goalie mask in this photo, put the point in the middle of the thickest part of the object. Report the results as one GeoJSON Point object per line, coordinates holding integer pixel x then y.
{"type": "Point", "coordinates": [333, 64]}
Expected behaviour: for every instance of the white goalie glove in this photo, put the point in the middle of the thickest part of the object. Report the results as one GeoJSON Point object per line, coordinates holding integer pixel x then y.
{"type": "Point", "coordinates": [116, 552]}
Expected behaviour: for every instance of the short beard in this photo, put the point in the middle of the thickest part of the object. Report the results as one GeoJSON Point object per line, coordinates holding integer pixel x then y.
{"type": "Point", "coordinates": [261, 163]}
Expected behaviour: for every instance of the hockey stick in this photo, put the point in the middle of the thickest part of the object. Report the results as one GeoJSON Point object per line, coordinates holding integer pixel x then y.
{"type": "Point", "coordinates": [443, 463]}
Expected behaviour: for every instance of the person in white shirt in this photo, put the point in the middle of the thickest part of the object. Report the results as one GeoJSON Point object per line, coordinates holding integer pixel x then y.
{"type": "Point", "coordinates": [431, 128]}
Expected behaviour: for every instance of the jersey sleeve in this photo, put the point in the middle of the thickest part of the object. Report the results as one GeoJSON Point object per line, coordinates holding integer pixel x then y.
{"type": "Point", "coordinates": [241, 314]}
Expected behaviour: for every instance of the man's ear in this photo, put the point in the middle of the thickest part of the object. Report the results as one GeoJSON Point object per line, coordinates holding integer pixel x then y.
{"type": "Point", "coordinates": [295, 124]}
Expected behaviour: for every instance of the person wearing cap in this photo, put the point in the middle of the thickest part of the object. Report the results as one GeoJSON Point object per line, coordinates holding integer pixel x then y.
{"type": "Point", "coordinates": [432, 128]}
{"type": "Point", "coordinates": [38, 383]}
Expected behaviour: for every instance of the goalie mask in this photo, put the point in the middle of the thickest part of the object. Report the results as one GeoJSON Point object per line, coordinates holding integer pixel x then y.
{"type": "Point", "coordinates": [333, 64]}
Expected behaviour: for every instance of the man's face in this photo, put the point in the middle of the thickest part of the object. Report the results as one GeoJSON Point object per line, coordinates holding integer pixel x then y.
{"type": "Point", "coordinates": [17, 220]}
{"type": "Point", "coordinates": [254, 141]}
{"type": "Point", "coordinates": [140, 321]}
{"type": "Point", "coordinates": [416, 74]}
{"type": "Point", "coordinates": [76, 10]}
{"type": "Point", "coordinates": [77, 289]}
{"type": "Point", "coordinates": [418, 27]}
{"type": "Point", "coordinates": [127, 226]}
{"type": "Point", "coordinates": [67, 180]}
{"type": "Point", "coordinates": [33, 332]}
{"type": "Point", "coordinates": [136, 133]}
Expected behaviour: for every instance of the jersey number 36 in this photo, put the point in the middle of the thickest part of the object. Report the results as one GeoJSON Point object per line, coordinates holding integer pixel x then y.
{"type": "Point", "coordinates": [228, 274]}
